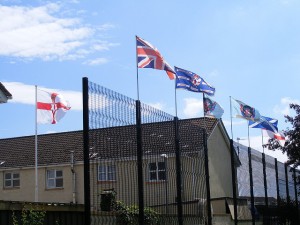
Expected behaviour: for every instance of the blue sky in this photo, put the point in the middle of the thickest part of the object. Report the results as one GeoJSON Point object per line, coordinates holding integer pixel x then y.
{"type": "Point", "coordinates": [246, 49]}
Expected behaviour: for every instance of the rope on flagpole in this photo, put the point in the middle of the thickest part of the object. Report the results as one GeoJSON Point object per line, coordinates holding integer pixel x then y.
{"type": "Point", "coordinates": [36, 151]}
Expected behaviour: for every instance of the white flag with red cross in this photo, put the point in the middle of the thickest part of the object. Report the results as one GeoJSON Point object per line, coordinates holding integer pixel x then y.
{"type": "Point", "coordinates": [51, 107]}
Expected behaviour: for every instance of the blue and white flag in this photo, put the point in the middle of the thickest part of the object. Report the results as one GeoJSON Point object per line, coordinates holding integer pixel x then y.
{"type": "Point", "coordinates": [265, 123]}
{"type": "Point", "coordinates": [192, 82]}
{"type": "Point", "coordinates": [212, 108]}
{"type": "Point", "coordinates": [242, 110]}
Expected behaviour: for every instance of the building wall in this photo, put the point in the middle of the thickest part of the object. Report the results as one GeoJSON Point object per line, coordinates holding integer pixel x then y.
{"type": "Point", "coordinates": [26, 191]}
{"type": "Point", "coordinates": [219, 165]}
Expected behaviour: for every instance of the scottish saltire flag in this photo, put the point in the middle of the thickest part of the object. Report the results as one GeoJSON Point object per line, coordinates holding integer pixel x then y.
{"type": "Point", "coordinates": [276, 135]}
{"type": "Point", "coordinates": [149, 57]}
{"type": "Point", "coordinates": [242, 110]}
{"type": "Point", "coordinates": [192, 82]}
{"type": "Point", "coordinates": [265, 123]}
{"type": "Point", "coordinates": [212, 108]}
{"type": "Point", "coordinates": [51, 107]}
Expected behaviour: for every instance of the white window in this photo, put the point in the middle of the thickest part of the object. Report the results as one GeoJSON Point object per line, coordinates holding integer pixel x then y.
{"type": "Point", "coordinates": [157, 171]}
{"type": "Point", "coordinates": [54, 178]}
{"type": "Point", "coordinates": [11, 179]}
{"type": "Point", "coordinates": [106, 173]}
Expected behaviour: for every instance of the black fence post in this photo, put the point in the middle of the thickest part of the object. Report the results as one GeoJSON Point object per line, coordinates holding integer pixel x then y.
{"type": "Point", "coordinates": [296, 194]}
{"type": "Point", "coordinates": [295, 187]}
{"type": "Point", "coordinates": [251, 186]}
{"type": "Point", "coordinates": [277, 183]}
{"type": "Point", "coordinates": [233, 180]}
{"type": "Point", "coordinates": [87, 191]}
{"type": "Point", "coordinates": [178, 173]}
{"type": "Point", "coordinates": [288, 199]}
{"type": "Point", "coordinates": [140, 162]}
{"type": "Point", "coordinates": [209, 222]}
{"type": "Point", "coordinates": [265, 180]}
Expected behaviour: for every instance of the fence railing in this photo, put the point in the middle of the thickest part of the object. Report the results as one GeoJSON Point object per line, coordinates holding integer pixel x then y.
{"type": "Point", "coordinates": [143, 162]}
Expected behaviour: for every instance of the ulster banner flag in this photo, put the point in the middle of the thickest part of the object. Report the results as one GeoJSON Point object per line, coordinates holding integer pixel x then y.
{"type": "Point", "coordinates": [51, 107]}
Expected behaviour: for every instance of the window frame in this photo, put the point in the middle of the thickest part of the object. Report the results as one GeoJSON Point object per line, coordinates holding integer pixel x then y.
{"type": "Point", "coordinates": [157, 171]}
{"type": "Point", "coordinates": [54, 178]}
{"type": "Point", "coordinates": [12, 180]}
{"type": "Point", "coordinates": [109, 173]}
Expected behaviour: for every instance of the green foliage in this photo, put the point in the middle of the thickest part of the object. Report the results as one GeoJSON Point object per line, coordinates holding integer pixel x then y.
{"type": "Point", "coordinates": [30, 216]}
{"type": "Point", "coordinates": [292, 144]}
{"type": "Point", "coordinates": [128, 215]}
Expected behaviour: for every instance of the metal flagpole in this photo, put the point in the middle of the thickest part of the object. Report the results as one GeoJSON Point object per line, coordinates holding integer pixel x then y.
{"type": "Point", "coordinates": [248, 136]}
{"type": "Point", "coordinates": [231, 118]}
{"type": "Point", "coordinates": [137, 70]}
{"type": "Point", "coordinates": [36, 151]}
{"type": "Point", "coordinates": [204, 111]}
{"type": "Point", "coordinates": [262, 141]}
{"type": "Point", "coordinates": [175, 98]}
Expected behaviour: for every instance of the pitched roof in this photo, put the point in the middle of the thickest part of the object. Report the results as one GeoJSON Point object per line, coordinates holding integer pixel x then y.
{"type": "Point", "coordinates": [107, 143]}
{"type": "Point", "coordinates": [5, 91]}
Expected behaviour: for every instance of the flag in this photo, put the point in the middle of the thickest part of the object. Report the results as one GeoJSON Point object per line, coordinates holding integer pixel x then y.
{"type": "Point", "coordinates": [149, 57]}
{"type": "Point", "coordinates": [265, 123]}
{"type": "Point", "coordinates": [212, 108]}
{"type": "Point", "coordinates": [51, 107]}
{"type": "Point", "coordinates": [192, 82]}
{"type": "Point", "coordinates": [245, 111]}
{"type": "Point", "coordinates": [276, 135]}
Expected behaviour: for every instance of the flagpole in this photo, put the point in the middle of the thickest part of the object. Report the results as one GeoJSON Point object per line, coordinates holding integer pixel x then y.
{"type": "Point", "coordinates": [36, 150]}
{"type": "Point", "coordinates": [205, 123]}
{"type": "Point", "coordinates": [137, 70]}
{"type": "Point", "coordinates": [231, 118]}
{"type": "Point", "coordinates": [175, 98]}
{"type": "Point", "coordinates": [262, 140]}
{"type": "Point", "coordinates": [248, 137]}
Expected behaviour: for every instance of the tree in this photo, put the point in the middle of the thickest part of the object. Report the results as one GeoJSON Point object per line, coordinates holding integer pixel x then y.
{"type": "Point", "coordinates": [292, 144]}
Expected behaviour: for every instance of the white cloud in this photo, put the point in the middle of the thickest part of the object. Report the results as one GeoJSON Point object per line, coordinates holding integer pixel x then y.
{"type": "Point", "coordinates": [25, 94]}
{"type": "Point", "coordinates": [94, 62]}
{"type": "Point", "coordinates": [256, 143]}
{"type": "Point", "coordinates": [193, 107]}
{"type": "Point", "coordinates": [38, 32]}
{"type": "Point", "coordinates": [157, 105]}
{"type": "Point", "coordinates": [235, 123]}
{"type": "Point", "coordinates": [283, 108]}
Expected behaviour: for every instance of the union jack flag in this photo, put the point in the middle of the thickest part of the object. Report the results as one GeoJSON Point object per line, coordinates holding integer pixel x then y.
{"type": "Point", "coordinates": [149, 57]}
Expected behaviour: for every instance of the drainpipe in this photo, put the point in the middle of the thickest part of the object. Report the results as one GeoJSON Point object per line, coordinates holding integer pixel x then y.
{"type": "Point", "coordinates": [73, 179]}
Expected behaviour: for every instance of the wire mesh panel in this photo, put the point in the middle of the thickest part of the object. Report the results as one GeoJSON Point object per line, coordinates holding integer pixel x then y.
{"type": "Point", "coordinates": [291, 184]}
{"type": "Point", "coordinates": [159, 163]}
{"type": "Point", "coordinates": [258, 177]}
{"type": "Point", "coordinates": [271, 180]}
{"type": "Point", "coordinates": [119, 187]}
{"type": "Point", "coordinates": [194, 193]}
{"type": "Point", "coordinates": [281, 181]}
{"type": "Point", "coordinates": [113, 170]}
{"type": "Point", "coordinates": [243, 176]}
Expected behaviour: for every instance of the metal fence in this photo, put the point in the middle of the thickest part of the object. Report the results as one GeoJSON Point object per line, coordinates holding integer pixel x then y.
{"type": "Point", "coordinates": [269, 186]}
{"type": "Point", "coordinates": [144, 166]}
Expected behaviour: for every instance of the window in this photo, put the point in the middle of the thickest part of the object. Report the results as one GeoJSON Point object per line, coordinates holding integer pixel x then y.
{"type": "Point", "coordinates": [11, 180]}
{"type": "Point", "coordinates": [106, 173]}
{"type": "Point", "coordinates": [54, 178]}
{"type": "Point", "coordinates": [157, 171]}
